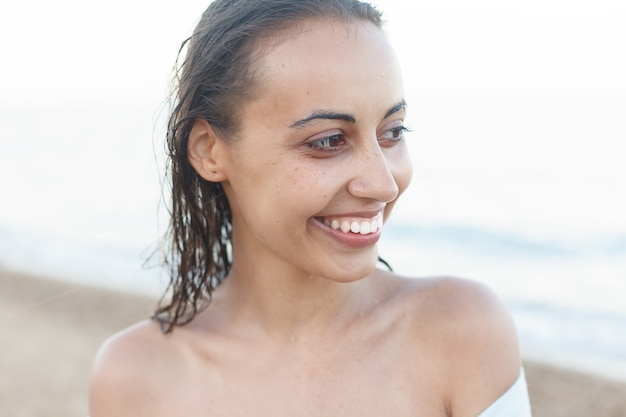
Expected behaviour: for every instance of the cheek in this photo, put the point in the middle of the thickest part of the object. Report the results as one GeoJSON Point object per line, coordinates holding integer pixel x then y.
{"type": "Point", "coordinates": [273, 189]}
{"type": "Point", "coordinates": [401, 169]}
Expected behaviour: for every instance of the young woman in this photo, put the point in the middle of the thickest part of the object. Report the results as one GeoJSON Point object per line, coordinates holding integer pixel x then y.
{"type": "Point", "coordinates": [287, 154]}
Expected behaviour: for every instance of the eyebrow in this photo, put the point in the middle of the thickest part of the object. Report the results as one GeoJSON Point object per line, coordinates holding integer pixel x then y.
{"type": "Point", "coordinates": [323, 115]}
{"type": "Point", "coordinates": [329, 115]}
{"type": "Point", "coordinates": [400, 106]}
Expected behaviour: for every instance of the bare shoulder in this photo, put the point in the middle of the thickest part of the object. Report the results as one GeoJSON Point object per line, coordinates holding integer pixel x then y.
{"type": "Point", "coordinates": [465, 307]}
{"type": "Point", "coordinates": [126, 372]}
{"type": "Point", "coordinates": [472, 336]}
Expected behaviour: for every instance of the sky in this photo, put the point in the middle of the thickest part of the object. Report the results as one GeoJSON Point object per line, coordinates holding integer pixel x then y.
{"type": "Point", "coordinates": [71, 50]}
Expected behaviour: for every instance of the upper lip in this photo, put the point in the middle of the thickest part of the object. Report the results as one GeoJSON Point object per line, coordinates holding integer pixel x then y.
{"type": "Point", "coordinates": [359, 214]}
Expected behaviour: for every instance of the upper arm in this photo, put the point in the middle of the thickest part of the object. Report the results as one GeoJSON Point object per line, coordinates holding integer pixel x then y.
{"type": "Point", "coordinates": [120, 379]}
{"type": "Point", "coordinates": [482, 348]}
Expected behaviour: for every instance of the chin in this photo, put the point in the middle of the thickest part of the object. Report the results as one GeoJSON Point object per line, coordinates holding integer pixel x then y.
{"type": "Point", "coordinates": [355, 272]}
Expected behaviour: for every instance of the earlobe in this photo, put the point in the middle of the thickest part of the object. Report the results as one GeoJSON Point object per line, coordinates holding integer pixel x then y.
{"type": "Point", "coordinates": [203, 151]}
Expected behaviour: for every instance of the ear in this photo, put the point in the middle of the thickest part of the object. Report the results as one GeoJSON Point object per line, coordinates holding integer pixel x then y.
{"type": "Point", "coordinates": [205, 151]}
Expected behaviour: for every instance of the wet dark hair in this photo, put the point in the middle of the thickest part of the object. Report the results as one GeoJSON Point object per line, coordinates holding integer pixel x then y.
{"type": "Point", "coordinates": [215, 76]}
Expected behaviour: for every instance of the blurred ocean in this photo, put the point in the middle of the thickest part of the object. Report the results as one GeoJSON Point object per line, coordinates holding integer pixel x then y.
{"type": "Point", "coordinates": [533, 209]}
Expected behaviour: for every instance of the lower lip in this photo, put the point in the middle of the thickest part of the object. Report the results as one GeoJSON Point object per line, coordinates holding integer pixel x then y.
{"type": "Point", "coordinates": [354, 240]}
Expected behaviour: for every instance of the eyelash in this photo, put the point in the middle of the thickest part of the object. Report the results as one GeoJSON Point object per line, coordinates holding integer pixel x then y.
{"type": "Point", "coordinates": [397, 132]}
{"type": "Point", "coordinates": [318, 145]}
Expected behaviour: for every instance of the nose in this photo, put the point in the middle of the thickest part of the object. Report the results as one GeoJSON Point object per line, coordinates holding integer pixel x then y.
{"type": "Point", "coordinates": [373, 176]}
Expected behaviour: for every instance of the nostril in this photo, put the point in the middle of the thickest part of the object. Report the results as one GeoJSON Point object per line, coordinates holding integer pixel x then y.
{"type": "Point", "coordinates": [377, 186]}
{"type": "Point", "coordinates": [373, 176]}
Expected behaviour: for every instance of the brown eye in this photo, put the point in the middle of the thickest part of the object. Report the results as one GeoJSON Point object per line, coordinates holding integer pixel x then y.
{"type": "Point", "coordinates": [394, 135]}
{"type": "Point", "coordinates": [328, 144]}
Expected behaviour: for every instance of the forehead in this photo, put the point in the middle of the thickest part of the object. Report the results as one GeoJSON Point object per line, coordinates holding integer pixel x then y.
{"type": "Point", "coordinates": [328, 63]}
{"type": "Point", "coordinates": [318, 47]}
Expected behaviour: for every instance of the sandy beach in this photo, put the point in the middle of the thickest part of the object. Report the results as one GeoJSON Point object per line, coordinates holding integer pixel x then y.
{"type": "Point", "coordinates": [51, 330]}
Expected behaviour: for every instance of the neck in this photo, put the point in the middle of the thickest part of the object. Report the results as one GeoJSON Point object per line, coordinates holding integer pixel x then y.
{"type": "Point", "coordinates": [286, 305]}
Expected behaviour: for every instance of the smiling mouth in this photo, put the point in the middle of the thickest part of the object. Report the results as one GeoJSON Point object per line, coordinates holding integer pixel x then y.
{"type": "Point", "coordinates": [355, 225]}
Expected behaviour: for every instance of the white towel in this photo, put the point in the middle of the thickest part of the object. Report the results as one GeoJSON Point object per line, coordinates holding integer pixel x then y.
{"type": "Point", "coordinates": [513, 403]}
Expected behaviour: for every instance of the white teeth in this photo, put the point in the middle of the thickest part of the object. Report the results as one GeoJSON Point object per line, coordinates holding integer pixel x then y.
{"type": "Point", "coordinates": [363, 227]}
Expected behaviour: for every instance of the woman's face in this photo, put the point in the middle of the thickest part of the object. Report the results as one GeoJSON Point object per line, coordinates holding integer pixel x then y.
{"type": "Point", "coordinates": [320, 158]}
